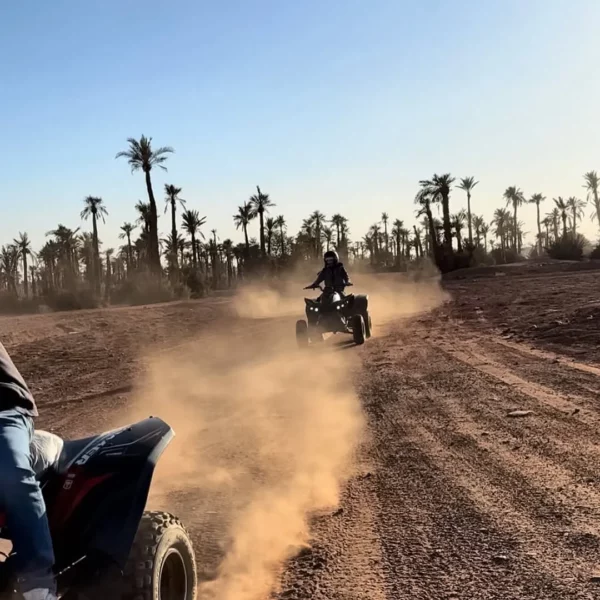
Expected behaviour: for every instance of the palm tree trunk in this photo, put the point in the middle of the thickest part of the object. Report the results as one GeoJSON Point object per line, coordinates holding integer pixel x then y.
{"type": "Point", "coordinates": [574, 223]}
{"type": "Point", "coordinates": [447, 223]}
{"type": "Point", "coordinates": [174, 234]}
{"type": "Point", "coordinates": [153, 242]}
{"type": "Point", "coordinates": [246, 238]}
{"type": "Point", "coordinates": [97, 268]}
{"type": "Point", "coordinates": [194, 250]}
{"type": "Point", "coordinates": [25, 280]}
{"type": "Point", "coordinates": [469, 219]}
{"type": "Point", "coordinates": [539, 227]}
{"type": "Point", "coordinates": [282, 241]}
{"type": "Point", "coordinates": [129, 255]}
{"type": "Point", "coordinates": [564, 220]}
{"type": "Point", "coordinates": [263, 249]}
{"type": "Point", "coordinates": [515, 226]}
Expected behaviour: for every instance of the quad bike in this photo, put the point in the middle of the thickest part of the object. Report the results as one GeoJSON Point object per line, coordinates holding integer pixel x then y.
{"type": "Point", "coordinates": [333, 312]}
{"type": "Point", "coordinates": [106, 546]}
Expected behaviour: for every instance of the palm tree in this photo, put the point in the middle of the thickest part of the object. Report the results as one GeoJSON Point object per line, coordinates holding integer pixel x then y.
{"type": "Point", "coordinates": [328, 237]}
{"type": "Point", "coordinates": [191, 223]}
{"type": "Point", "coordinates": [95, 208]}
{"type": "Point", "coordinates": [317, 220]}
{"type": "Point", "coordinates": [384, 219]}
{"type": "Point", "coordinates": [280, 224]}
{"type": "Point", "coordinates": [260, 204]}
{"type": "Point", "coordinates": [467, 184]}
{"type": "Point", "coordinates": [592, 183]}
{"type": "Point", "coordinates": [126, 231]}
{"type": "Point", "coordinates": [502, 220]}
{"type": "Point", "coordinates": [554, 217]}
{"type": "Point", "coordinates": [270, 230]}
{"type": "Point", "coordinates": [141, 156]}
{"type": "Point", "coordinates": [242, 218]}
{"type": "Point", "coordinates": [171, 200]}
{"type": "Point", "coordinates": [228, 252]}
{"type": "Point", "coordinates": [562, 207]}
{"type": "Point", "coordinates": [397, 229]}
{"type": "Point", "coordinates": [576, 207]}
{"type": "Point", "coordinates": [424, 198]}
{"type": "Point", "coordinates": [477, 224]}
{"type": "Point", "coordinates": [337, 221]}
{"type": "Point", "coordinates": [23, 246]}
{"type": "Point", "coordinates": [9, 263]}
{"type": "Point", "coordinates": [546, 222]}
{"type": "Point", "coordinates": [438, 189]}
{"type": "Point", "coordinates": [537, 199]}
{"type": "Point", "coordinates": [513, 195]}
{"type": "Point", "coordinates": [485, 228]}
{"type": "Point", "coordinates": [458, 223]}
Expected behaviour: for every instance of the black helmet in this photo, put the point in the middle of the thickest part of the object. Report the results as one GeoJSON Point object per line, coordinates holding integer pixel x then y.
{"type": "Point", "coordinates": [331, 258]}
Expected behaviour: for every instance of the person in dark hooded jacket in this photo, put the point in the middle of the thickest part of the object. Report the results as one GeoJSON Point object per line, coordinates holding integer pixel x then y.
{"type": "Point", "coordinates": [20, 494]}
{"type": "Point", "coordinates": [334, 275]}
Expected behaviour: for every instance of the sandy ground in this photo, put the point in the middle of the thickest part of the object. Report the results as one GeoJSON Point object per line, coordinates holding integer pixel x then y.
{"type": "Point", "coordinates": [427, 488]}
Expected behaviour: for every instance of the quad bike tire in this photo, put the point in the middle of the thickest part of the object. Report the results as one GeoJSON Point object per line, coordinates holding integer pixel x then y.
{"type": "Point", "coordinates": [162, 563]}
{"type": "Point", "coordinates": [358, 329]}
{"type": "Point", "coordinates": [302, 334]}
{"type": "Point", "coordinates": [368, 324]}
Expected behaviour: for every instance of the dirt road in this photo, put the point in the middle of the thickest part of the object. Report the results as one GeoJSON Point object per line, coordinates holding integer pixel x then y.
{"type": "Point", "coordinates": [477, 477]}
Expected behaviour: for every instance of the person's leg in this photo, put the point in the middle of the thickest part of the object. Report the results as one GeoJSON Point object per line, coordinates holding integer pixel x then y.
{"type": "Point", "coordinates": [21, 498]}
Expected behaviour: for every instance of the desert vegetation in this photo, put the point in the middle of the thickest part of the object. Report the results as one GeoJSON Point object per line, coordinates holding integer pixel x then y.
{"type": "Point", "coordinates": [73, 269]}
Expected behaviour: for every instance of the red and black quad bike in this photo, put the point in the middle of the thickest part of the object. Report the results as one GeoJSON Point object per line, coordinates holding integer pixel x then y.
{"type": "Point", "coordinates": [334, 312]}
{"type": "Point", "coordinates": [106, 546]}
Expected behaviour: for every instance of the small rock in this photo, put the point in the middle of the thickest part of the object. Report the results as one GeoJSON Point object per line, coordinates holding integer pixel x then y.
{"type": "Point", "coordinates": [338, 512]}
{"type": "Point", "coordinates": [501, 559]}
{"type": "Point", "coordinates": [575, 411]}
{"type": "Point", "coordinates": [485, 434]}
{"type": "Point", "coordinates": [515, 414]}
{"type": "Point", "coordinates": [595, 578]}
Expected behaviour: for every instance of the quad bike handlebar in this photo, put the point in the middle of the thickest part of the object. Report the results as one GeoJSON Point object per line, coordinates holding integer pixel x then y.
{"type": "Point", "coordinates": [318, 287]}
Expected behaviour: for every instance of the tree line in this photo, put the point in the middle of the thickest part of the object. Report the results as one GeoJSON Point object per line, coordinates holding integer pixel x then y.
{"type": "Point", "coordinates": [192, 258]}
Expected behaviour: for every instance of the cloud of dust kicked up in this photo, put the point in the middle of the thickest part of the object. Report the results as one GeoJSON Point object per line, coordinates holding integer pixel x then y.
{"type": "Point", "coordinates": [265, 437]}
{"type": "Point", "coordinates": [265, 433]}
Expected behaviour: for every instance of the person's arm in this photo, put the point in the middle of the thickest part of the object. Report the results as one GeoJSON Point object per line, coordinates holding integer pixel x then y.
{"type": "Point", "coordinates": [320, 278]}
{"type": "Point", "coordinates": [344, 274]}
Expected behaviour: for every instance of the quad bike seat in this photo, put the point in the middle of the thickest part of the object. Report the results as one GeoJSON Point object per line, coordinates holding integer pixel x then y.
{"type": "Point", "coordinates": [51, 452]}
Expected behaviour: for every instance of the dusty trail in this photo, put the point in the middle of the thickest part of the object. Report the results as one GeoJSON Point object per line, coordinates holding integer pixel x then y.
{"type": "Point", "coordinates": [449, 498]}
{"type": "Point", "coordinates": [459, 500]}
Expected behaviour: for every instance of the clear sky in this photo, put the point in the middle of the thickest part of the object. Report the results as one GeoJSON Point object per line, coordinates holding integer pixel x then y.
{"type": "Point", "coordinates": [338, 105]}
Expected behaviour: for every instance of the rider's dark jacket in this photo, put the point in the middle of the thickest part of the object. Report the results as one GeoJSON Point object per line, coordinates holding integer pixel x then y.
{"type": "Point", "coordinates": [14, 392]}
{"type": "Point", "coordinates": [334, 276]}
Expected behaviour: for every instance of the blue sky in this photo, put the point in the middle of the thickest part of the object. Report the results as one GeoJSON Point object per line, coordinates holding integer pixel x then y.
{"type": "Point", "coordinates": [339, 105]}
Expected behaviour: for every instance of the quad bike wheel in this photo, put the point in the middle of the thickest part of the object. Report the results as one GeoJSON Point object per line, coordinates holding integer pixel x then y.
{"type": "Point", "coordinates": [162, 564]}
{"type": "Point", "coordinates": [358, 329]}
{"type": "Point", "coordinates": [302, 334]}
{"type": "Point", "coordinates": [368, 324]}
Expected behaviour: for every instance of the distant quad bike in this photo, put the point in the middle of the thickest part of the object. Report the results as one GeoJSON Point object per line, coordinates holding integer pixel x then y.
{"type": "Point", "coordinates": [106, 546]}
{"type": "Point", "coordinates": [333, 312]}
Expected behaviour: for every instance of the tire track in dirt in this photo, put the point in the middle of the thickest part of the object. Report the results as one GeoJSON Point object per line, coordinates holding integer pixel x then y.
{"type": "Point", "coordinates": [465, 502]}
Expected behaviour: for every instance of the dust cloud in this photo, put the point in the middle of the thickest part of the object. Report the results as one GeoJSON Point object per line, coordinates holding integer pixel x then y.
{"type": "Point", "coordinates": [265, 437]}
{"type": "Point", "coordinates": [266, 433]}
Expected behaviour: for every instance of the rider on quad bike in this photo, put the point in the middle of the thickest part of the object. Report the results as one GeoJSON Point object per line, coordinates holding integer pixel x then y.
{"type": "Point", "coordinates": [20, 493]}
{"type": "Point", "coordinates": [334, 275]}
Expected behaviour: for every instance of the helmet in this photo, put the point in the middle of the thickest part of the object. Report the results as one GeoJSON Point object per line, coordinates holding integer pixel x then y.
{"type": "Point", "coordinates": [331, 258]}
